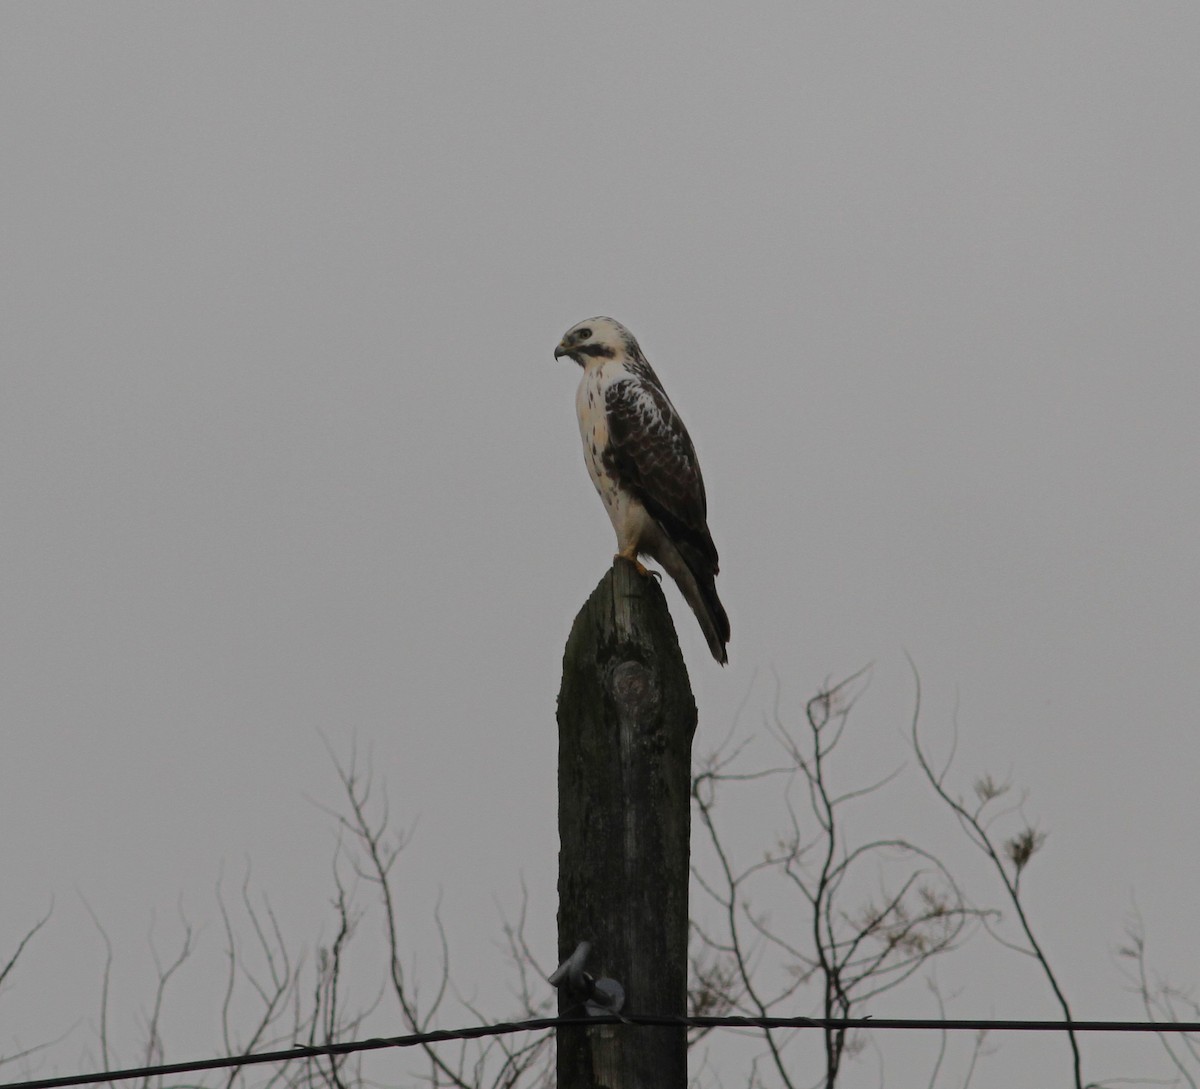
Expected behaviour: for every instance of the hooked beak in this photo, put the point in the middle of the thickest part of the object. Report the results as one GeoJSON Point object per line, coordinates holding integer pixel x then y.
{"type": "Point", "coordinates": [561, 350]}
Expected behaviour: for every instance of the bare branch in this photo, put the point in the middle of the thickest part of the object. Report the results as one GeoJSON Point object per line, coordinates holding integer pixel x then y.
{"type": "Point", "coordinates": [28, 936]}
{"type": "Point", "coordinates": [1018, 851]}
{"type": "Point", "coordinates": [153, 1051]}
{"type": "Point", "coordinates": [105, 980]}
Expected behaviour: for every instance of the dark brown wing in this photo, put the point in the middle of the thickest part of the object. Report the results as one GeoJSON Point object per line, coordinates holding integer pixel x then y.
{"type": "Point", "coordinates": [651, 453]}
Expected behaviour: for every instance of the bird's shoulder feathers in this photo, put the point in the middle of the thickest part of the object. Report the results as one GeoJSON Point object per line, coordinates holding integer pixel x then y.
{"type": "Point", "coordinates": [651, 453]}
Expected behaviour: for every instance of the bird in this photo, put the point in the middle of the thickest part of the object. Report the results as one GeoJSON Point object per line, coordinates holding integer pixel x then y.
{"type": "Point", "coordinates": [642, 461]}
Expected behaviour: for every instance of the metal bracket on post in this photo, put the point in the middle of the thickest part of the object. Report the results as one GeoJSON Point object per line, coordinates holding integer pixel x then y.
{"type": "Point", "coordinates": [600, 997]}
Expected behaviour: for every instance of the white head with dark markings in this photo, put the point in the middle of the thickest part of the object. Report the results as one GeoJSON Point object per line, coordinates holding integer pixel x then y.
{"type": "Point", "coordinates": [597, 338]}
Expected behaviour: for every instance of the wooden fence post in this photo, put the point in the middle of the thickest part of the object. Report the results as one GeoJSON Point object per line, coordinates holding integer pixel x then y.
{"type": "Point", "coordinates": [626, 717]}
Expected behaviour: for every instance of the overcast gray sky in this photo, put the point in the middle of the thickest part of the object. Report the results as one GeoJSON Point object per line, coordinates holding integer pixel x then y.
{"type": "Point", "coordinates": [284, 452]}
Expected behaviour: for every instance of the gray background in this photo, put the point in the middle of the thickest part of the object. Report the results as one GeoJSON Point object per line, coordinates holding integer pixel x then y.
{"type": "Point", "coordinates": [284, 452]}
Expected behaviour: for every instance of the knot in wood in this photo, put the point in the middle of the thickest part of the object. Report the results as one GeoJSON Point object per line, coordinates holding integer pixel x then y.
{"type": "Point", "coordinates": [634, 691]}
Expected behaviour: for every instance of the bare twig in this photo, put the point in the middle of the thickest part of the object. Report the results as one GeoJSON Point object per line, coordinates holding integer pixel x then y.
{"type": "Point", "coordinates": [1162, 1001]}
{"type": "Point", "coordinates": [28, 936]}
{"type": "Point", "coordinates": [105, 980]}
{"type": "Point", "coordinates": [976, 822]}
{"type": "Point", "coordinates": [153, 1050]}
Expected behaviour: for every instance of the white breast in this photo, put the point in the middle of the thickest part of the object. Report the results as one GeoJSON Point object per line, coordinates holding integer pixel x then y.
{"type": "Point", "coordinates": [628, 516]}
{"type": "Point", "coordinates": [593, 427]}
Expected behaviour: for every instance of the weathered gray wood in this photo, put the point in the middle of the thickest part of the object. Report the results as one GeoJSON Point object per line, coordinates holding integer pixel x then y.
{"type": "Point", "coordinates": [626, 717]}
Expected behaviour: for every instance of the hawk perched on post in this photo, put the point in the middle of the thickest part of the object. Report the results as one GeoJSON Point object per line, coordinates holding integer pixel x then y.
{"type": "Point", "coordinates": [641, 459]}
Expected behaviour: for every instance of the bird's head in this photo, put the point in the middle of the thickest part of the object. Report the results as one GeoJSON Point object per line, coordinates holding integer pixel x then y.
{"type": "Point", "coordinates": [595, 338]}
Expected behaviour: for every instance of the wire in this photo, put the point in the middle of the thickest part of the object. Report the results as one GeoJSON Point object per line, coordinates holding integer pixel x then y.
{"type": "Point", "coordinates": [506, 1028]}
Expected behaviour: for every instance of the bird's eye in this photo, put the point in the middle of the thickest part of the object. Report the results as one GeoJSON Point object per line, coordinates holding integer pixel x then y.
{"type": "Point", "coordinates": [583, 334]}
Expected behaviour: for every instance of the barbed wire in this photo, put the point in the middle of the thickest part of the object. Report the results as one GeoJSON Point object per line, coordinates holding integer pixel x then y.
{"type": "Point", "coordinates": [542, 1024]}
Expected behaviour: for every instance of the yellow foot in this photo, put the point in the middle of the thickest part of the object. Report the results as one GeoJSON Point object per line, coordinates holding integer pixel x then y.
{"type": "Point", "coordinates": [637, 566]}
